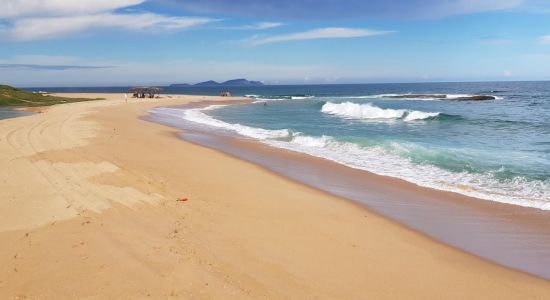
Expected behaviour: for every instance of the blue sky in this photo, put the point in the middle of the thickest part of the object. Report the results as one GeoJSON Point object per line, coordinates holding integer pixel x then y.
{"type": "Point", "coordinates": [127, 42]}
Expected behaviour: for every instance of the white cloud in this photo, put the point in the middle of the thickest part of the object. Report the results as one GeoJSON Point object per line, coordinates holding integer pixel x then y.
{"type": "Point", "coordinates": [255, 26]}
{"type": "Point", "coordinates": [267, 25]}
{"type": "Point", "coordinates": [545, 39]}
{"type": "Point", "coordinates": [26, 20]}
{"type": "Point", "coordinates": [42, 59]}
{"type": "Point", "coordinates": [320, 33]}
{"type": "Point", "coordinates": [23, 8]}
{"type": "Point", "coordinates": [45, 28]}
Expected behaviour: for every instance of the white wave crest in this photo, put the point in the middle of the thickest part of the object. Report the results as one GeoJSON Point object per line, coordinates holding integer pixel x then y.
{"type": "Point", "coordinates": [361, 111]}
{"type": "Point", "coordinates": [369, 111]}
{"type": "Point", "coordinates": [378, 160]}
{"type": "Point", "coordinates": [310, 141]}
{"type": "Point", "coordinates": [196, 115]}
{"type": "Point", "coordinates": [381, 161]}
{"type": "Point", "coordinates": [419, 115]}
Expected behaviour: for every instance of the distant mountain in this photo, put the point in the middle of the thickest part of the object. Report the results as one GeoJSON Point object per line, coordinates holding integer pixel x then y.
{"type": "Point", "coordinates": [208, 83]}
{"type": "Point", "coordinates": [232, 82]}
{"type": "Point", "coordinates": [179, 84]}
{"type": "Point", "coordinates": [241, 82]}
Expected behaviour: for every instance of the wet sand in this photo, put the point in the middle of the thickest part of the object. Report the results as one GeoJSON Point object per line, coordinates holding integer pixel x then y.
{"type": "Point", "coordinates": [515, 236]}
{"type": "Point", "coordinates": [89, 209]}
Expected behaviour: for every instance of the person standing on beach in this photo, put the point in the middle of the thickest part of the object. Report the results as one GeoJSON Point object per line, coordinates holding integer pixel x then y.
{"type": "Point", "coordinates": [125, 97]}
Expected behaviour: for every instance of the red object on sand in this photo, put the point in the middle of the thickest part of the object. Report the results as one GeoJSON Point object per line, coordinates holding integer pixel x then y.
{"type": "Point", "coordinates": [182, 199]}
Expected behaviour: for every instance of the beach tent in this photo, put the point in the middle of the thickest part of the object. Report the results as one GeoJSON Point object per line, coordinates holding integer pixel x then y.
{"type": "Point", "coordinates": [144, 91]}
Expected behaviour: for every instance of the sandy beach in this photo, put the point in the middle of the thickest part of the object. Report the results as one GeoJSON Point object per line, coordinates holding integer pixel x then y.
{"type": "Point", "coordinates": [89, 209]}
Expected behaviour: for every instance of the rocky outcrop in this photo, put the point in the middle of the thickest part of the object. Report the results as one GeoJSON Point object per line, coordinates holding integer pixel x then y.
{"type": "Point", "coordinates": [475, 98]}
{"type": "Point", "coordinates": [443, 97]}
{"type": "Point", "coordinates": [419, 96]}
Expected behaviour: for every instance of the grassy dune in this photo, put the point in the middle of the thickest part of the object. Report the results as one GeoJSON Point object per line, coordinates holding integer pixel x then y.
{"type": "Point", "coordinates": [10, 96]}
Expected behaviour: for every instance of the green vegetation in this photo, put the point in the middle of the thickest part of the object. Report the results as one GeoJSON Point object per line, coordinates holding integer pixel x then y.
{"type": "Point", "coordinates": [10, 96]}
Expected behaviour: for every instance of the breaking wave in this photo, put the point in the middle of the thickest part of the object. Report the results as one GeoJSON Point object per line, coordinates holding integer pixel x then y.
{"type": "Point", "coordinates": [387, 160]}
{"type": "Point", "coordinates": [198, 116]}
{"type": "Point", "coordinates": [371, 112]}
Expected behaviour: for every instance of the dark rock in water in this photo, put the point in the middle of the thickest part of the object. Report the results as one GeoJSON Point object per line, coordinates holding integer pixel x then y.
{"type": "Point", "coordinates": [475, 98]}
{"type": "Point", "coordinates": [443, 97]}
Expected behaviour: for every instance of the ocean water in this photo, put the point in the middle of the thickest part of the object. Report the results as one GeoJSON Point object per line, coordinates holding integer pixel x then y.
{"type": "Point", "coordinates": [496, 150]}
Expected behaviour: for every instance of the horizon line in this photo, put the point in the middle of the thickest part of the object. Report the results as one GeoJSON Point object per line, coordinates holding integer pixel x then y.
{"type": "Point", "coordinates": [289, 84]}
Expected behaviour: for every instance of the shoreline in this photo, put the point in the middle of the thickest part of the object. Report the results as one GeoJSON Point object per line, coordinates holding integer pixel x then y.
{"type": "Point", "coordinates": [273, 238]}
{"type": "Point", "coordinates": [487, 229]}
{"type": "Point", "coordinates": [10, 112]}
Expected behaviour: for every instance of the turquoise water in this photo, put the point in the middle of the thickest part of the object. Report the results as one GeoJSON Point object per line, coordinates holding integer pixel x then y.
{"type": "Point", "coordinates": [496, 150]}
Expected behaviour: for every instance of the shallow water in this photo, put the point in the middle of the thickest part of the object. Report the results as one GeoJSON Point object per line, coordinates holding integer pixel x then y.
{"type": "Point", "coordinates": [511, 235]}
{"type": "Point", "coordinates": [496, 150]}
{"type": "Point", "coordinates": [6, 113]}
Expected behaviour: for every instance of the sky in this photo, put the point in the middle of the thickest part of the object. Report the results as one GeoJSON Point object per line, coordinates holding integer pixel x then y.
{"type": "Point", "coordinates": [46, 43]}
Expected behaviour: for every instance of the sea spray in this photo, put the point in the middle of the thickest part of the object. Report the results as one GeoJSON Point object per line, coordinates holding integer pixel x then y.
{"type": "Point", "coordinates": [371, 112]}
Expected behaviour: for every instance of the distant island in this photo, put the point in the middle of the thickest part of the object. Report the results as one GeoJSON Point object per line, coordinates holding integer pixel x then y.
{"type": "Point", "coordinates": [232, 82]}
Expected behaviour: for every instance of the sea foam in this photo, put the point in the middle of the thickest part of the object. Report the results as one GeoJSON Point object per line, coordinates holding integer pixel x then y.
{"type": "Point", "coordinates": [370, 112]}
{"type": "Point", "coordinates": [198, 116]}
{"type": "Point", "coordinates": [382, 160]}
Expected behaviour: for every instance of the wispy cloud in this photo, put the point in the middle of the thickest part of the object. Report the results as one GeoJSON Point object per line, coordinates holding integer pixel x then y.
{"type": "Point", "coordinates": [31, 63]}
{"type": "Point", "coordinates": [266, 25]}
{"type": "Point", "coordinates": [315, 34]}
{"type": "Point", "coordinates": [52, 67]}
{"type": "Point", "coordinates": [45, 19]}
{"type": "Point", "coordinates": [46, 28]}
{"type": "Point", "coordinates": [255, 26]}
{"type": "Point", "coordinates": [26, 8]}
{"type": "Point", "coordinates": [345, 9]}
{"type": "Point", "coordinates": [161, 73]}
{"type": "Point", "coordinates": [545, 39]}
